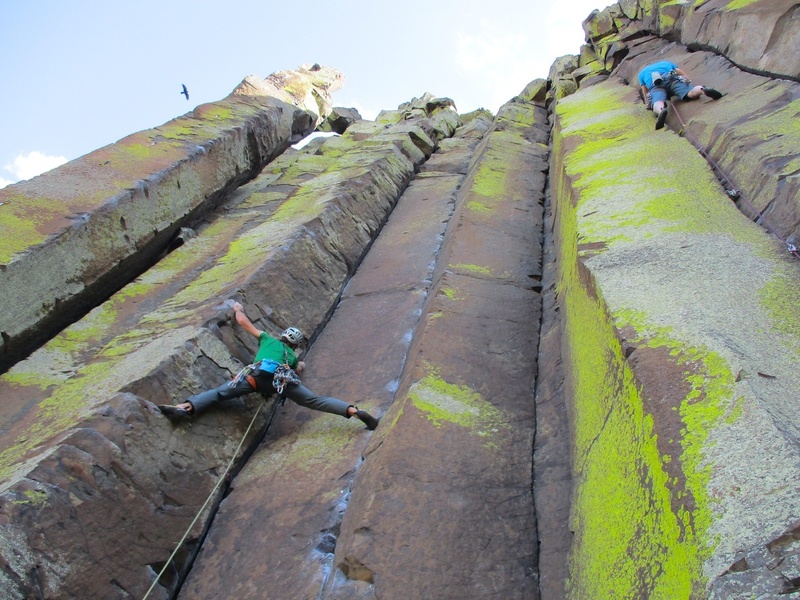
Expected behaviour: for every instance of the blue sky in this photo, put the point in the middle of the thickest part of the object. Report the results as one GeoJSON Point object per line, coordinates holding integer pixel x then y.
{"type": "Point", "coordinates": [82, 74]}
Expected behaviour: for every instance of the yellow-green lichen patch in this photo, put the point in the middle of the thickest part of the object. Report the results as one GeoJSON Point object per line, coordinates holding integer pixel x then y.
{"type": "Point", "coordinates": [388, 117]}
{"type": "Point", "coordinates": [520, 115]}
{"type": "Point", "coordinates": [640, 512]}
{"type": "Point", "coordinates": [58, 360]}
{"type": "Point", "coordinates": [478, 207]}
{"type": "Point", "coordinates": [444, 402]}
{"type": "Point", "coordinates": [263, 199]}
{"type": "Point", "coordinates": [474, 269]}
{"type": "Point", "coordinates": [626, 191]}
{"type": "Point", "coordinates": [710, 397]}
{"type": "Point", "coordinates": [595, 110]}
{"type": "Point", "coordinates": [746, 112]}
{"type": "Point", "coordinates": [143, 150]}
{"type": "Point", "coordinates": [735, 412]}
{"type": "Point", "coordinates": [303, 205]}
{"type": "Point", "coordinates": [737, 4]}
{"type": "Point", "coordinates": [221, 112]}
{"type": "Point", "coordinates": [769, 140]}
{"type": "Point", "coordinates": [628, 541]}
{"type": "Point", "coordinates": [180, 129]}
{"type": "Point", "coordinates": [239, 261]}
{"type": "Point", "coordinates": [779, 298]}
{"type": "Point", "coordinates": [302, 168]}
{"type": "Point", "coordinates": [665, 21]}
{"type": "Point", "coordinates": [35, 498]}
{"type": "Point", "coordinates": [308, 451]}
{"type": "Point", "coordinates": [86, 331]}
{"type": "Point", "coordinates": [21, 221]}
{"type": "Point", "coordinates": [449, 292]}
{"type": "Point", "coordinates": [490, 181]}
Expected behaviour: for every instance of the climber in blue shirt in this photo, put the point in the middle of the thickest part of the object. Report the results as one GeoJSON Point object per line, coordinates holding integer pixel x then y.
{"type": "Point", "coordinates": [661, 80]}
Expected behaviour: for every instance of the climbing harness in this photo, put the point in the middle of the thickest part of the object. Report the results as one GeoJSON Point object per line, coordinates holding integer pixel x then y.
{"type": "Point", "coordinates": [247, 375]}
{"type": "Point", "coordinates": [224, 477]}
{"type": "Point", "coordinates": [733, 193]}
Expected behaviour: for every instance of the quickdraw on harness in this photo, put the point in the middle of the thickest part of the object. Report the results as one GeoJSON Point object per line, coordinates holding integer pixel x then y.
{"type": "Point", "coordinates": [673, 76]}
{"type": "Point", "coordinates": [284, 375]}
{"type": "Point", "coordinates": [246, 374]}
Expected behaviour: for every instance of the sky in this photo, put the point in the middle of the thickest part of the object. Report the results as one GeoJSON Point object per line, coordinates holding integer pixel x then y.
{"type": "Point", "coordinates": [76, 76]}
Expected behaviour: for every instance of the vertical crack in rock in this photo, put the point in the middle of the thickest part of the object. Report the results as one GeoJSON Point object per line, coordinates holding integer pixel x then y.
{"type": "Point", "coordinates": [551, 443]}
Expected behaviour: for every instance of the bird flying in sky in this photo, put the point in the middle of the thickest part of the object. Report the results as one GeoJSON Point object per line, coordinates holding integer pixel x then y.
{"type": "Point", "coordinates": [185, 92]}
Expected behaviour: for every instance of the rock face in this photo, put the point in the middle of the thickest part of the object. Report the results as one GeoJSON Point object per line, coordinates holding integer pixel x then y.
{"type": "Point", "coordinates": [578, 331]}
{"type": "Point", "coordinates": [309, 87]}
{"type": "Point", "coordinates": [679, 361]}
{"type": "Point", "coordinates": [73, 237]}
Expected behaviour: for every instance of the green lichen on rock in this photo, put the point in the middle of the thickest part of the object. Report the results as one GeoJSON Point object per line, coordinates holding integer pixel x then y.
{"type": "Point", "coordinates": [779, 298]}
{"type": "Point", "coordinates": [640, 529]}
{"type": "Point", "coordinates": [475, 269]}
{"type": "Point", "coordinates": [490, 182]}
{"type": "Point", "coordinates": [738, 4]}
{"type": "Point", "coordinates": [449, 293]}
{"type": "Point", "coordinates": [36, 498]}
{"type": "Point", "coordinates": [20, 217]}
{"type": "Point", "coordinates": [613, 166]}
{"type": "Point", "coordinates": [628, 540]}
{"type": "Point", "coordinates": [444, 402]}
{"type": "Point", "coordinates": [478, 207]}
{"type": "Point", "coordinates": [310, 450]}
{"type": "Point", "coordinates": [94, 382]}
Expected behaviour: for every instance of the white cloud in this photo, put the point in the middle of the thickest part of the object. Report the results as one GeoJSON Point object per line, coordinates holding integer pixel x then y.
{"type": "Point", "coordinates": [34, 163]}
{"type": "Point", "coordinates": [4, 183]}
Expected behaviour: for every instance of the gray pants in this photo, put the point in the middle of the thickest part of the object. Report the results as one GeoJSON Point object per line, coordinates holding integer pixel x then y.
{"type": "Point", "coordinates": [296, 392]}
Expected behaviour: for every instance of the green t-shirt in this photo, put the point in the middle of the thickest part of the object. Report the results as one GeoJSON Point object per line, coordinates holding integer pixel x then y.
{"type": "Point", "coordinates": [271, 349]}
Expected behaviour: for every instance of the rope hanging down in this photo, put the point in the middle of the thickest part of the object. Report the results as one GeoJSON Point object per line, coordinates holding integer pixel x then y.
{"type": "Point", "coordinates": [202, 508]}
{"type": "Point", "coordinates": [732, 192]}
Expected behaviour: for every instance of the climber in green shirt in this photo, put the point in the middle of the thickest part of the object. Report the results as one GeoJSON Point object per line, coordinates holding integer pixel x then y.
{"type": "Point", "coordinates": [260, 376]}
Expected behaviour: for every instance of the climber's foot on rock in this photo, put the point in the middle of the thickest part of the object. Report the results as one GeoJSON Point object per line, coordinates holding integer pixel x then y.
{"type": "Point", "coordinates": [366, 418]}
{"type": "Point", "coordinates": [662, 118]}
{"type": "Point", "coordinates": [174, 413]}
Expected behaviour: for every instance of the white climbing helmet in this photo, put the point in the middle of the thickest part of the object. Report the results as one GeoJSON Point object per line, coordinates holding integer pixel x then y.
{"type": "Point", "coordinates": [292, 335]}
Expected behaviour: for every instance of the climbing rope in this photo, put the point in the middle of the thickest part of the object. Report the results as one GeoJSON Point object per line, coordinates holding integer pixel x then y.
{"type": "Point", "coordinates": [730, 190]}
{"type": "Point", "coordinates": [202, 508]}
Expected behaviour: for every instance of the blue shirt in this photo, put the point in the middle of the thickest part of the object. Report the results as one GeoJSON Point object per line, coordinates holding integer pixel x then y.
{"type": "Point", "coordinates": [646, 74]}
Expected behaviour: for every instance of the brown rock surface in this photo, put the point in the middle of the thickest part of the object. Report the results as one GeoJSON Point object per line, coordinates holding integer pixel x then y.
{"type": "Point", "coordinates": [442, 505]}
{"type": "Point", "coordinates": [78, 422]}
{"type": "Point", "coordinates": [275, 533]}
{"type": "Point", "coordinates": [644, 443]}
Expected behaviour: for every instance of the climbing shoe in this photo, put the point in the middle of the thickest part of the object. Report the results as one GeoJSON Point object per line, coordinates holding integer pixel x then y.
{"type": "Point", "coordinates": [173, 413]}
{"type": "Point", "coordinates": [712, 93]}
{"type": "Point", "coordinates": [662, 118]}
{"type": "Point", "coordinates": [368, 420]}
